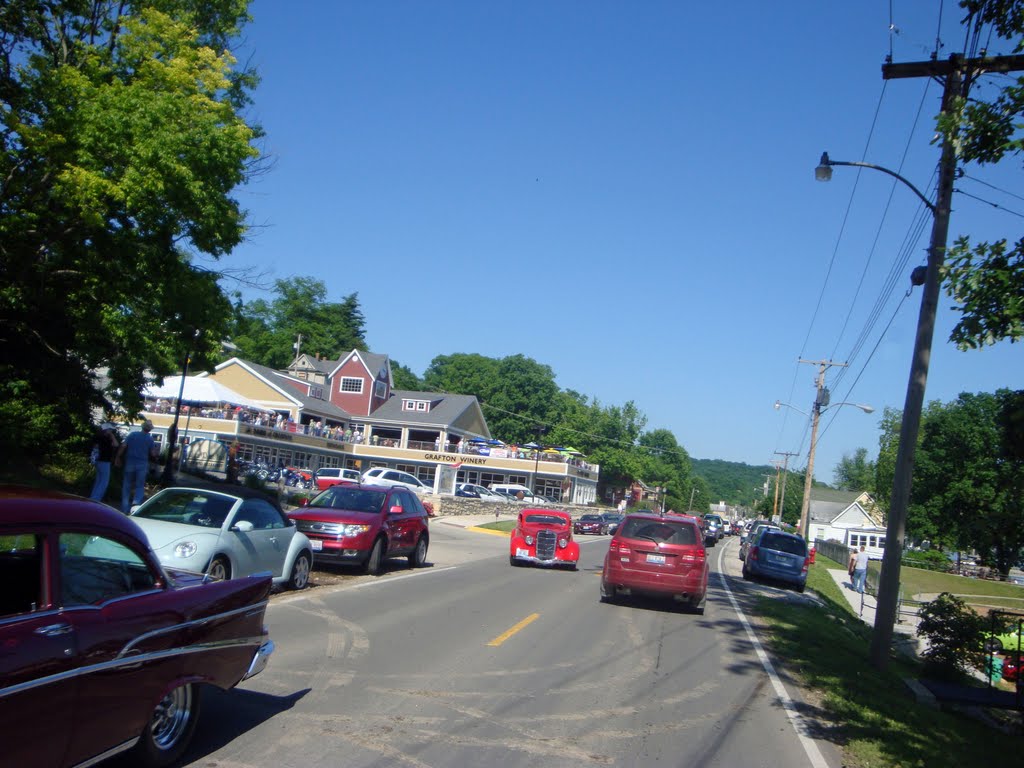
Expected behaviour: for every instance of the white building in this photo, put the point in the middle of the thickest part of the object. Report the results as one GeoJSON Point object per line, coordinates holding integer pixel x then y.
{"type": "Point", "coordinates": [849, 517]}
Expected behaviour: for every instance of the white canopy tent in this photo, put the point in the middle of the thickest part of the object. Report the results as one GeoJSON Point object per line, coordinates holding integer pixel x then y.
{"type": "Point", "coordinates": [200, 390]}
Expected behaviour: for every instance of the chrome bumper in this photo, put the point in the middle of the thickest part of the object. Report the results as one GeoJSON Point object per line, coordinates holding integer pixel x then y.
{"type": "Point", "coordinates": [259, 661]}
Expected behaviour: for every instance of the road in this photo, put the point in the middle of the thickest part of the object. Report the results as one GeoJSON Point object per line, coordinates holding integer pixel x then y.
{"type": "Point", "coordinates": [470, 662]}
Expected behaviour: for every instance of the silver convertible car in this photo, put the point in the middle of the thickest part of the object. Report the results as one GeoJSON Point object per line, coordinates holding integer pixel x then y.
{"type": "Point", "coordinates": [226, 534]}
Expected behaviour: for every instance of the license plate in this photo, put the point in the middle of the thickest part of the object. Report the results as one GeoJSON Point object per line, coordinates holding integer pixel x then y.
{"type": "Point", "coordinates": [656, 559]}
{"type": "Point", "coordinates": [522, 552]}
{"type": "Point", "coordinates": [316, 544]}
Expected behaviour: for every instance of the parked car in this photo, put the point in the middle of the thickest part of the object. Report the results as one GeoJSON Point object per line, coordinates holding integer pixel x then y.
{"type": "Point", "coordinates": [225, 533]}
{"type": "Point", "coordinates": [104, 648]}
{"type": "Point", "coordinates": [365, 525]}
{"type": "Point", "coordinates": [780, 556]}
{"type": "Point", "coordinates": [325, 477]}
{"type": "Point", "coordinates": [713, 526]}
{"type": "Point", "coordinates": [470, 491]}
{"type": "Point", "coordinates": [1010, 639]}
{"type": "Point", "coordinates": [543, 537]}
{"type": "Point", "coordinates": [612, 520]}
{"type": "Point", "coordinates": [659, 555]}
{"type": "Point", "coordinates": [750, 535]}
{"type": "Point", "coordinates": [590, 523]}
{"type": "Point", "coordinates": [385, 476]}
{"type": "Point", "coordinates": [514, 489]}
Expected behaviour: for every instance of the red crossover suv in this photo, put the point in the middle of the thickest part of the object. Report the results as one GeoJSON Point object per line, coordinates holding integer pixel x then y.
{"type": "Point", "coordinates": [657, 555]}
{"type": "Point", "coordinates": [364, 525]}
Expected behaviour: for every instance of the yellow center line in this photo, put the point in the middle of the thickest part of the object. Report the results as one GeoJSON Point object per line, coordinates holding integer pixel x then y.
{"type": "Point", "coordinates": [521, 625]}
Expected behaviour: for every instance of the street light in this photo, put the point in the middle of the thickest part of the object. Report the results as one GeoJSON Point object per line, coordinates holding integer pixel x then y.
{"type": "Point", "coordinates": [821, 403]}
{"type": "Point", "coordinates": [167, 478]}
{"type": "Point", "coordinates": [889, 582]}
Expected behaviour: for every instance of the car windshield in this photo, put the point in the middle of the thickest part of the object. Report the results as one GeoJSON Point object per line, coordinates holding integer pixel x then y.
{"type": "Point", "coordinates": [351, 499]}
{"type": "Point", "coordinates": [780, 542]}
{"type": "Point", "coordinates": [545, 520]}
{"type": "Point", "coordinates": [667, 531]}
{"type": "Point", "coordinates": [592, 518]}
{"type": "Point", "coordinates": [188, 507]}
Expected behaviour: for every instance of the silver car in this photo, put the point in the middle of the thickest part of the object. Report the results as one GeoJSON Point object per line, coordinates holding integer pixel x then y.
{"type": "Point", "coordinates": [226, 534]}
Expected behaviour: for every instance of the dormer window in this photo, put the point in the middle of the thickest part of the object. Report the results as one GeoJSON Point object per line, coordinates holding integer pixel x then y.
{"type": "Point", "coordinates": [351, 384]}
{"type": "Point", "coordinates": [415, 405]}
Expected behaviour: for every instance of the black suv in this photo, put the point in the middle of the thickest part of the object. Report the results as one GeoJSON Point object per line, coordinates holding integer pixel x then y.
{"type": "Point", "coordinates": [364, 525]}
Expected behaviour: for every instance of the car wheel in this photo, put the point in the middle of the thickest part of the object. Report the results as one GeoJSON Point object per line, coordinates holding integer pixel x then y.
{"type": "Point", "coordinates": [607, 592]}
{"type": "Point", "coordinates": [993, 644]}
{"type": "Point", "coordinates": [746, 573]}
{"type": "Point", "coordinates": [300, 572]}
{"type": "Point", "coordinates": [513, 562]}
{"type": "Point", "coordinates": [376, 559]}
{"type": "Point", "coordinates": [697, 606]}
{"type": "Point", "coordinates": [219, 569]}
{"type": "Point", "coordinates": [418, 557]}
{"type": "Point", "coordinates": [170, 728]}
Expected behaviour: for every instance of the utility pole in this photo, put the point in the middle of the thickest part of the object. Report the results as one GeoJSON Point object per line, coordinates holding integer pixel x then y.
{"type": "Point", "coordinates": [958, 73]}
{"type": "Point", "coordinates": [821, 400]}
{"type": "Point", "coordinates": [775, 505]}
{"type": "Point", "coordinates": [785, 472]}
{"type": "Point", "coordinates": [297, 346]}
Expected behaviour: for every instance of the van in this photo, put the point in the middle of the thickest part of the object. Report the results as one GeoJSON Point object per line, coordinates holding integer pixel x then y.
{"type": "Point", "coordinates": [514, 489]}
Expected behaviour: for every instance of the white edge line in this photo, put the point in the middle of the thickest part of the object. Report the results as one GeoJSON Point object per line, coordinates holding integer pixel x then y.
{"type": "Point", "coordinates": [795, 719]}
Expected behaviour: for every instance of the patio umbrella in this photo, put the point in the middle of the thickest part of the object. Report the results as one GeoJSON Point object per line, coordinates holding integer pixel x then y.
{"type": "Point", "coordinates": [531, 446]}
{"type": "Point", "coordinates": [201, 390]}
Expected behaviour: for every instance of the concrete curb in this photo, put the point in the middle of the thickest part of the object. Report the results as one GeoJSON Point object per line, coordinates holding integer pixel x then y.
{"type": "Point", "coordinates": [921, 694]}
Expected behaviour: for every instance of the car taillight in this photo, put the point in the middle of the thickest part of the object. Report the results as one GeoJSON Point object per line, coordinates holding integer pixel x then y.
{"type": "Point", "coordinates": [692, 556]}
{"type": "Point", "coordinates": [807, 563]}
{"type": "Point", "coordinates": [752, 554]}
{"type": "Point", "coordinates": [618, 546]}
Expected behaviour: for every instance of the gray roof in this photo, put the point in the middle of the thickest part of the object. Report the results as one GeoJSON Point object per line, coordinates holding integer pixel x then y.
{"type": "Point", "coordinates": [323, 366]}
{"type": "Point", "coordinates": [444, 408]}
{"type": "Point", "coordinates": [827, 504]}
{"type": "Point", "coordinates": [309, 405]}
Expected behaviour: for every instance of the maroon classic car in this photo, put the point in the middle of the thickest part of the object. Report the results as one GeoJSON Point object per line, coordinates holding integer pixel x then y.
{"type": "Point", "coordinates": [102, 650]}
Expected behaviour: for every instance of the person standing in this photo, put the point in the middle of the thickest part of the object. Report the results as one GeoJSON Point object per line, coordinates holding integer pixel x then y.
{"type": "Point", "coordinates": [135, 453]}
{"type": "Point", "coordinates": [860, 569]}
{"type": "Point", "coordinates": [107, 444]}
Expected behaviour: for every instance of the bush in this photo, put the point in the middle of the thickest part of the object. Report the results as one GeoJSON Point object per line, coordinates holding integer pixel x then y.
{"type": "Point", "coordinates": [954, 635]}
{"type": "Point", "coordinates": [931, 559]}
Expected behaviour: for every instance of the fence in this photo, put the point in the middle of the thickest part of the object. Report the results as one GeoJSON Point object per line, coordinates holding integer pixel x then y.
{"type": "Point", "coordinates": [833, 550]}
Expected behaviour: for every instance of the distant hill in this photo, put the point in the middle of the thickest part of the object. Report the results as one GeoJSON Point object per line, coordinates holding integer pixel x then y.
{"type": "Point", "coordinates": [733, 482]}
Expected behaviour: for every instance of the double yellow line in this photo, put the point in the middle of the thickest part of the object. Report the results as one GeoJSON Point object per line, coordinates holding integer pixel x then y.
{"type": "Point", "coordinates": [513, 630]}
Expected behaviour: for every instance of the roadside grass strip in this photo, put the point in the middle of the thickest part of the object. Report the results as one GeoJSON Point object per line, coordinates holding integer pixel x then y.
{"type": "Point", "coordinates": [871, 715]}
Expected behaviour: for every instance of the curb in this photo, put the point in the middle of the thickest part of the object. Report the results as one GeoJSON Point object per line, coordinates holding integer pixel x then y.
{"type": "Point", "coordinates": [921, 694]}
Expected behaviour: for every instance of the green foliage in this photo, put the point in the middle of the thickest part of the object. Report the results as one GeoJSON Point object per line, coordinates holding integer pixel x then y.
{"type": "Point", "coordinates": [404, 378]}
{"type": "Point", "coordinates": [266, 332]}
{"type": "Point", "coordinates": [954, 635]}
{"type": "Point", "coordinates": [855, 473]}
{"type": "Point", "coordinates": [119, 146]}
{"type": "Point", "coordinates": [986, 280]}
{"type": "Point", "coordinates": [733, 482]}
{"type": "Point", "coordinates": [931, 559]}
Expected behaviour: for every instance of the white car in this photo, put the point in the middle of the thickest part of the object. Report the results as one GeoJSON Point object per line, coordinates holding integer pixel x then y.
{"type": "Point", "coordinates": [385, 476]}
{"type": "Point", "coordinates": [478, 492]}
{"type": "Point", "coordinates": [226, 534]}
{"type": "Point", "coordinates": [514, 489]}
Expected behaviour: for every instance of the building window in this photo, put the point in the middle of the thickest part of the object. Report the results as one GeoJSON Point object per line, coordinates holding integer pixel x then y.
{"type": "Point", "coordinates": [380, 389]}
{"type": "Point", "coordinates": [421, 406]}
{"type": "Point", "coordinates": [871, 541]}
{"type": "Point", "coordinates": [881, 541]}
{"type": "Point", "coordinates": [351, 384]}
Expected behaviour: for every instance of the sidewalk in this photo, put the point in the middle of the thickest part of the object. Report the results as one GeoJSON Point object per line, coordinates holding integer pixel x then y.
{"type": "Point", "coordinates": [905, 637]}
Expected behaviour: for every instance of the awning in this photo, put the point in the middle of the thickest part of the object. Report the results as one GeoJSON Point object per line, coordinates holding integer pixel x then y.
{"type": "Point", "coordinates": [201, 390]}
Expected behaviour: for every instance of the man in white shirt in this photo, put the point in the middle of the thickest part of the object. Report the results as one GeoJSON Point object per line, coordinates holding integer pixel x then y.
{"type": "Point", "coordinates": [860, 570]}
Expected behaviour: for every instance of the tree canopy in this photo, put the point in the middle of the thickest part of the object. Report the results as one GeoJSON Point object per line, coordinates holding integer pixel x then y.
{"type": "Point", "coordinates": [986, 279]}
{"type": "Point", "coordinates": [121, 140]}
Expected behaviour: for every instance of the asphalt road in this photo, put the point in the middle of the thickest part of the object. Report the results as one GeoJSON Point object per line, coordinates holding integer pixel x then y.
{"type": "Point", "coordinates": [470, 662]}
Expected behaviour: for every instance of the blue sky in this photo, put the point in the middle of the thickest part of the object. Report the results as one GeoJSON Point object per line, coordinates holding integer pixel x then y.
{"type": "Point", "coordinates": [624, 192]}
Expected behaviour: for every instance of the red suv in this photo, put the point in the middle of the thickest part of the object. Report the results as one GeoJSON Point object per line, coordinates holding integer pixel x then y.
{"type": "Point", "coordinates": [364, 525]}
{"type": "Point", "coordinates": [660, 555]}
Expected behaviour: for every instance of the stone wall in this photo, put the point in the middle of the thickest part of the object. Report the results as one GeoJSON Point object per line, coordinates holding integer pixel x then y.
{"type": "Point", "coordinates": [453, 506]}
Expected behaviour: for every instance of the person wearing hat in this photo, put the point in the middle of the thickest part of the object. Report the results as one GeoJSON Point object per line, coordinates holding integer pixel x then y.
{"type": "Point", "coordinates": [105, 446]}
{"type": "Point", "coordinates": [135, 453]}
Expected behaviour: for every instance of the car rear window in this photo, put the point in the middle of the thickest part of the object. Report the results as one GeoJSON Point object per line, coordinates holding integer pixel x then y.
{"type": "Point", "coordinates": [783, 543]}
{"type": "Point", "coordinates": [545, 519]}
{"type": "Point", "coordinates": [352, 499]}
{"type": "Point", "coordinates": [667, 531]}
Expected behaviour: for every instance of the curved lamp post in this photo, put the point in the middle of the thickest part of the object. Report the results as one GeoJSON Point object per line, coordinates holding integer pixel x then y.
{"type": "Point", "coordinates": [820, 404]}
{"type": "Point", "coordinates": [889, 582]}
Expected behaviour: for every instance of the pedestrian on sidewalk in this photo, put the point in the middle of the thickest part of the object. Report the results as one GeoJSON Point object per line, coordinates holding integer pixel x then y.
{"type": "Point", "coordinates": [106, 444]}
{"type": "Point", "coordinates": [134, 454]}
{"type": "Point", "coordinates": [860, 570]}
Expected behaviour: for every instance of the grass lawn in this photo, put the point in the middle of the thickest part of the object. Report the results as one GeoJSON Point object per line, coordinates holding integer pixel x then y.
{"type": "Point", "coordinates": [500, 525]}
{"type": "Point", "coordinates": [917, 581]}
{"type": "Point", "coordinates": [871, 715]}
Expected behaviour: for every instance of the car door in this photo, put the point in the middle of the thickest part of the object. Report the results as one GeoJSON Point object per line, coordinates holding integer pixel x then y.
{"type": "Point", "coordinates": [400, 523]}
{"type": "Point", "coordinates": [36, 643]}
{"type": "Point", "coordinates": [266, 545]}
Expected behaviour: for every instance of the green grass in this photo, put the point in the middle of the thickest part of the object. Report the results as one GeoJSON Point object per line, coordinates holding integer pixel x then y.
{"type": "Point", "coordinates": [918, 581]}
{"type": "Point", "coordinates": [500, 525]}
{"type": "Point", "coordinates": [871, 714]}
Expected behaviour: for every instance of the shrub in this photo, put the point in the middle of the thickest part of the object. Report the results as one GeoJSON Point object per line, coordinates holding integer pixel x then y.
{"type": "Point", "coordinates": [954, 635]}
{"type": "Point", "coordinates": [931, 559]}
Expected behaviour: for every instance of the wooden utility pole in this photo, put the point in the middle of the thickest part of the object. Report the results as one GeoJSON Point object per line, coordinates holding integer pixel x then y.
{"type": "Point", "coordinates": [821, 400]}
{"type": "Point", "coordinates": [785, 472]}
{"type": "Point", "coordinates": [958, 73]}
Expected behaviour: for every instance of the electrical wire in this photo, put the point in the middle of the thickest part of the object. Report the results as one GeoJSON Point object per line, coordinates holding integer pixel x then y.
{"type": "Point", "coordinates": [992, 186]}
{"type": "Point", "coordinates": [988, 202]}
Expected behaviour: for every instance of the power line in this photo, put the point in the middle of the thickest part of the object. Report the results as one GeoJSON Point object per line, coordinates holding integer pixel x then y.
{"type": "Point", "coordinates": [988, 202]}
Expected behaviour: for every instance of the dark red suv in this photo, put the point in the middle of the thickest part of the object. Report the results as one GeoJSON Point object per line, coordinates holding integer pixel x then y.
{"type": "Point", "coordinates": [660, 555]}
{"type": "Point", "coordinates": [364, 525]}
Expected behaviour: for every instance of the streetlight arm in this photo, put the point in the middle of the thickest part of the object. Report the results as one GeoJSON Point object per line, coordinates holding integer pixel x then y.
{"type": "Point", "coordinates": [824, 173]}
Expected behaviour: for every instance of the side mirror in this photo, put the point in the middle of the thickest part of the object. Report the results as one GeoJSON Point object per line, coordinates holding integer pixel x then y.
{"type": "Point", "coordinates": [242, 526]}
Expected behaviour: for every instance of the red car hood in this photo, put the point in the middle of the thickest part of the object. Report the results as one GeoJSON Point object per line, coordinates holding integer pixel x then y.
{"type": "Point", "coordinates": [333, 515]}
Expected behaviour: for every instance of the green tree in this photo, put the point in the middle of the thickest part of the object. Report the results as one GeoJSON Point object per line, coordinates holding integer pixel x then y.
{"type": "Point", "coordinates": [855, 473]}
{"type": "Point", "coordinates": [121, 141]}
{"type": "Point", "coordinates": [404, 378]}
{"type": "Point", "coordinates": [266, 332]}
{"type": "Point", "coordinates": [986, 280]}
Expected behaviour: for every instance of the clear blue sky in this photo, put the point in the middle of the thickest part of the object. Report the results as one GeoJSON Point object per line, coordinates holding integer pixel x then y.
{"type": "Point", "coordinates": [625, 192]}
